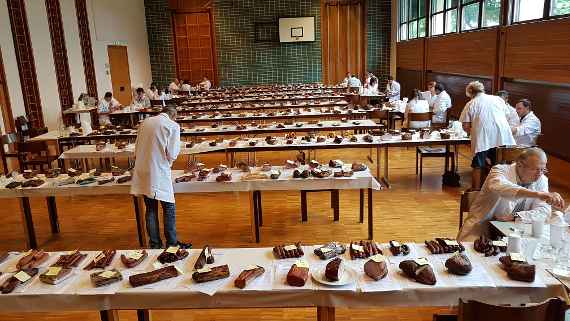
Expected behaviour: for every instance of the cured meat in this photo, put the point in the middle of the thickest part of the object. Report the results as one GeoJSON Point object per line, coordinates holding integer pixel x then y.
{"type": "Point", "coordinates": [421, 273]}
{"type": "Point", "coordinates": [358, 167]}
{"type": "Point", "coordinates": [518, 271]}
{"type": "Point", "coordinates": [444, 245]}
{"type": "Point", "coordinates": [297, 276]}
{"type": "Point", "coordinates": [334, 269]}
{"type": "Point", "coordinates": [13, 185]}
{"type": "Point", "coordinates": [330, 250]}
{"type": "Point", "coordinates": [124, 179]}
{"type": "Point", "coordinates": [459, 264]}
{"type": "Point", "coordinates": [214, 273]}
{"type": "Point", "coordinates": [133, 258]}
{"type": "Point", "coordinates": [55, 275]}
{"type": "Point", "coordinates": [364, 249]}
{"type": "Point", "coordinates": [248, 275]}
{"type": "Point", "coordinates": [288, 251]}
{"type": "Point", "coordinates": [32, 259]}
{"type": "Point", "coordinates": [13, 282]}
{"type": "Point", "coordinates": [205, 257]}
{"type": "Point", "coordinates": [172, 254]}
{"type": "Point", "coordinates": [398, 248]}
{"type": "Point", "coordinates": [34, 182]}
{"type": "Point", "coordinates": [376, 270]}
{"type": "Point", "coordinates": [153, 276]}
{"type": "Point", "coordinates": [103, 278]}
{"type": "Point", "coordinates": [102, 260]}
{"type": "Point", "coordinates": [70, 260]}
{"type": "Point", "coordinates": [489, 247]}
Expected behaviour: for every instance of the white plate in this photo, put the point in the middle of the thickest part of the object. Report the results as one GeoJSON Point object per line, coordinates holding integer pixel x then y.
{"type": "Point", "coordinates": [348, 277]}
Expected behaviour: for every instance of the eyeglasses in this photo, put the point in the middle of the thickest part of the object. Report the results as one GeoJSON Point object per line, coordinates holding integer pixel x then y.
{"type": "Point", "coordinates": [543, 171]}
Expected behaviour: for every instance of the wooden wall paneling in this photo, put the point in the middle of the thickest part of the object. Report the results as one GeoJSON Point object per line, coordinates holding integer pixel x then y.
{"type": "Point", "coordinates": [189, 4]}
{"type": "Point", "coordinates": [345, 58]}
{"type": "Point", "coordinates": [57, 36]}
{"type": "Point", "coordinates": [410, 54]}
{"type": "Point", "coordinates": [455, 87]}
{"type": "Point", "coordinates": [5, 106]}
{"type": "Point", "coordinates": [86, 48]}
{"type": "Point", "coordinates": [470, 53]}
{"type": "Point", "coordinates": [409, 80]}
{"type": "Point", "coordinates": [538, 51]}
{"type": "Point", "coordinates": [26, 63]}
{"type": "Point", "coordinates": [333, 34]}
{"type": "Point", "coordinates": [325, 43]}
{"type": "Point", "coordinates": [552, 106]}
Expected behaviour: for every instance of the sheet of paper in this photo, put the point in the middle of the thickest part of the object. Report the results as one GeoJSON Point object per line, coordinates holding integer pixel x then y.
{"type": "Point", "coordinates": [39, 287]}
{"type": "Point", "coordinates": [367, 284]}
{"type": "Point", "coordinates": [280, 278]}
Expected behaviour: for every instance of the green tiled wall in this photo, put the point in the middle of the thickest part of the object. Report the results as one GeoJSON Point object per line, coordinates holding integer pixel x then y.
{"type": "Point", "coordinates": [379, 26]}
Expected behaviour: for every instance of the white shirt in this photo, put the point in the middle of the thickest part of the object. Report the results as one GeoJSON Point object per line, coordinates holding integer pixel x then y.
{"type": "Point", "coordinates": [528, 130]}
{"type": "Point", "coordinates": [173, 87]}
{"type": "Point", "coordinates": [354, 82]}
{"type": "Point", "coordinates": [428, 96]}
{"type": "Point", "coordinates": [497, 199]}
{"type": "Point", "coordinates": [512, 116]}
{"type": "Point", "coordinates": [142, 101]}
{"type": "Point", "coordinates": [153, 94]}
{"type": "Point", "coordinates": [393, 90]}
{"type": "Point", "coordinates": [415, 107]}
{"type": "Point", "coordinates": [489, 126]}
{"type": "Point", "coordinates": [205, 84]}
{"type": "Point", "coordinates": [371, 90]}
{"type": "Point", "coordinates": [440, 104]}
{"type": "Point", "coordinates": [344, 82]}
{"type": "Point", "coordinates": [157, 146]}
{"type": "Point", "coordinates": [186, 87]}
{"type": "Point", "coordinates": [106, 107]}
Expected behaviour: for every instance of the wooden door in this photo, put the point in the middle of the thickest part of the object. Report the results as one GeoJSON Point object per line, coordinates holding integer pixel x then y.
{"type": "Point", "coordinates": [343, 25]}
{"type": "Point", "coordinates": [5, 108]}
{"type": "Point", "coordinates": [120, 76]}
{"type": "Point", "coordinates": [194, 46]}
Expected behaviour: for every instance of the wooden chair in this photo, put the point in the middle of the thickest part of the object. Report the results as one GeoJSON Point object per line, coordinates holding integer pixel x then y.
{"type": "Point", "coordinates": [430, 152]}
{"type": "Point", "coordinates": [552, 309]}
{"type": "Point", "coordinates": [9, 139]}
{"type": "Point", "coordinates": [467, 198]}
{"type": "Point", "coordinates": [508, 154]}
{"type": "Point", "coordinates": [34, 154]}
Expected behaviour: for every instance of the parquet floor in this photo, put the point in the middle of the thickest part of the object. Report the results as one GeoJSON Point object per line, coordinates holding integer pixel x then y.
{"type": "Point", "coordinates": [407, 212]}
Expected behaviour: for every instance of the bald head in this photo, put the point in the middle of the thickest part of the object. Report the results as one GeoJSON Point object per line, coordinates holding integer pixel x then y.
{"type": "Point", "coordinates": [531, 165]}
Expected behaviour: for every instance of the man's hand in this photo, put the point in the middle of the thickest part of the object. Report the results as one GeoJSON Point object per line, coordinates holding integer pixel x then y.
{"type": "Point", "coordinates": [552, 199]}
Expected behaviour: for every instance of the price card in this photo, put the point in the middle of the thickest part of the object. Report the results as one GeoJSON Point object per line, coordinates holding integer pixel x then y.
{"type": "Point", "coordinates": [395, 244]}
{"type": "Point", "coordinates": [107, 274]}
{"type": "Point", "coordinates": [451, 242]}
{"type": "Point", "coordinates": [53, 271]}
{"type": "Point", "coordinates": [326, 249]}
{"type": "Point", "coordinates": [204, 270]}
{"type": "Point", "coordinates": [357, 248]}
{"type": "Point", "coordinates": [251, 267]}
{"type": "Point", "coordinates": [517, 257]}
{"type": "Point", "coordinates": [378, 258]}
{"type": "Point", "coordinates": [499, 243]}
{"type": "Point", "coordinates": [290, 248]}
{"type": "Point", "coordinates": [22, 276]}
{"type": "Point", "coordinates": [135, 255]}
{"type": "Point", "coordinates": [302, 264]}
{"type": "Point", "coordinates": [421, 261]}
{"type": "Point", "coordinates": [179, 270]}
{"type": "Point", "coordinates": [157, 265]}
{"type": "Point", "coordinates": [172, 249]}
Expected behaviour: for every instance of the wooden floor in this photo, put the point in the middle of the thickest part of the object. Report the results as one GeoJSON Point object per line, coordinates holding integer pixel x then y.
{"type": "Point", "coordinates": [406, 212]}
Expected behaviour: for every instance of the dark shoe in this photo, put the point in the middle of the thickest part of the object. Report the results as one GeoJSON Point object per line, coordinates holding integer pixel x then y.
{"type": "Point", "coordinates": [184, 246]}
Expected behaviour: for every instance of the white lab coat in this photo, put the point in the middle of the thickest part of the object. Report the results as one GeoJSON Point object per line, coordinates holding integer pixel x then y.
{"type": "Point", "coordinates": [106, 107]}
{"type": "Point", "coordinates": [417, 106]}
{"type": "Point", "coordinates": [157, 147]}
{"type": "Point", "coordinates": [354, 82]}
{"type": "Point", "coordinates": [370, 90]}
{"type": "Point", "coordinates": [489, 126]}
{"type": "Point", "coordinates": [393, 90]}
{"type": "Point", "coordinates": [440, 104]}
{"type": "Point", "coordinates": [186, 87]}
{"type": "Point", "coordinates": [173, 87]}
{"type": "Point", "coordinates": [512, 116]}
{"type": "Point", "coordinates": [497, 200]}
{"type": "Point", "coordinates": [205, 84]}
{"type": "Point", "coordinates": [528, 130]}
{"type": "Point", "coordinates": [428, 96]}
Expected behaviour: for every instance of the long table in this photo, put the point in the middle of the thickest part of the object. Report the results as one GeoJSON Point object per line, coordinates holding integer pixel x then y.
{"type": "Point", "coordinates": [487, 282]}
{"type": "Point", "coordinates": [360, 180]}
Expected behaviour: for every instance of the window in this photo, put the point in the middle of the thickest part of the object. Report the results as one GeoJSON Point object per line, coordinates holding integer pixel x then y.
{"type": "Point", "coordinates": [444, 16]}
{"type": "Point", "coordinates": [523, 10]}
{"type": "Point", "coordinates": [412, 19]}
{"type": "Point", "coordinates": [560, 7]}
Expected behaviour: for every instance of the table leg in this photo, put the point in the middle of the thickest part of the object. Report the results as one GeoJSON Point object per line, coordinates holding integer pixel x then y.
{"type": "Point", "coordinates": [141, 220]}
{"type": "Point", "coordinates": [361, 220]}
{"type": "Point", "coordinates": [52, 212]}
{"type": "Point", "coordinates": [378, 158]}
{"type": "Point", "coordinates": [109, 315]}
{"type": "Point", "coordinates": [143, 315]}
{"type": "Point", "coordinates": [325, 313]}
{"type": "Point", "coordinates": [28, 222]}
{"type": "Point", "coordinates": [259, 209]}
{"type": "Point", "coordinates": [446, 158]}
{"type": "Point", "coordinates": [370, 216]}
{"type": "Point", "coordinates": [303, 206]}
{"type": "Point", "coordinates": [253, 217]}
{"type": "Point", "coordinates": [385, 178]}
{"type": "Point", "coordinates": [335, 202]}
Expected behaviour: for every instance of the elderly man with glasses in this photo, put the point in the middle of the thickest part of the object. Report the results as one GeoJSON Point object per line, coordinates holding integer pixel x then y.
{"type": "Point", "coordinates": [518, 190]}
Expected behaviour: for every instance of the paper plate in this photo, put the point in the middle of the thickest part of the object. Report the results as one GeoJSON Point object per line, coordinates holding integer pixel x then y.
{"type": "Point", "coordinates": [348, 277]}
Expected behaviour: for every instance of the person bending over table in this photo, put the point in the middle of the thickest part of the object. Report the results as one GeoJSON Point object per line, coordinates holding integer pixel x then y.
{"type": "Point", "coordinates": [107, 105]}
{"type": "Point", "coordinates": [152, 92]}
{"type": "Point", "coordinates": [393, 89]}
{"type": "Point", "coordinates": [484, 118]}
{"type": "Point", "coordinates": [518, 190]}
{"type": "Point", "coordinates": [511, 112]}
{"type": "Point", "coordinates": [205, 84]}
{"type": "Point", "coordinates": [141, 100]}
{"type": "Point", "coordinates": [157, 147]}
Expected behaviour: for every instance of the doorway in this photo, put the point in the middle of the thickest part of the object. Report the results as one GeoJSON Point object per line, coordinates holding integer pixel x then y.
{"type": "Point", "coordinates": [120, 75]}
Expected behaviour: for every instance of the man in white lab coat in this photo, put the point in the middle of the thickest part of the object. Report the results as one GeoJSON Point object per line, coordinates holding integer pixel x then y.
{"type": "Point", "coordinates": [205, 84]}
{"type": "Point", "coordinates": [157, 147]}
{"type": "Point", "coordinates": [440, 104]}
{"type": "Point", "coordinates": [393, 89]}
{"type": "Point", "coordinates": [510, 111]}
{"type": "Point", "coordinates": [484, 117]}
{"type": "Point", "coordinates": [429, 94]}
{"type": "Point", "coordinates": [519, 190]}
{"type": "Point", "coordinates": [529, 127]}
{"type": "Point", "coordinates": [174, 86]}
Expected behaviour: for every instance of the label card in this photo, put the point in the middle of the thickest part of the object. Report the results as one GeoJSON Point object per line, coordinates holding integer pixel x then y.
{"type": "Point", "coordinates": [517, 257]}
{"type": "Point", "coordinates": [53, 271]}
{"type": "Point", "coordinates": [290, 248]}
{"type": "Point", "coordinates": [395, 243]}
{"type": "Point", "coordinates": [22, 276]}
{"type": "Point", "coordinates": [99, 257]}
{"type": "Point", "coordinates": [451, 242]}
{"type": "Point", "coordinates": [204, 270]}
{"type": "Point", "coordinates": [421, 261]}
{"type": "Point", "coordinates": [326, 249]}
{"type": "Point", "coordinates": [302, 264]}
{"type": "Point", "coordinates": [499, 243]}
{"type": "Point", "coordinates": [135, 255]}
{"type": "Point", "coordinates": [357, 248]}
{"type": "Point", "coordinates": [378, 258]}
{"type": "Point", "coordinates": [107, 274]}
{"type": "Point", "coordinates": [251, 267]}
{"type": "Point", "coordinates": [172, 249]}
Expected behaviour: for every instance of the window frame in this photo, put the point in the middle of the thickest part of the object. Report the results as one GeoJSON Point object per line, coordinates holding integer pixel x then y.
{"type": "Point", "coordinates": [546, 13]}
{"type": "Point", "coordinates": [444, 12]}
{"type": "Point", "coordinates": [409, 21]}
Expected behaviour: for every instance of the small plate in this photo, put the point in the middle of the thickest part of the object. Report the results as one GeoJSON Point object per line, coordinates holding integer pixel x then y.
{"type": "Point", "coordinates": [348, 277]}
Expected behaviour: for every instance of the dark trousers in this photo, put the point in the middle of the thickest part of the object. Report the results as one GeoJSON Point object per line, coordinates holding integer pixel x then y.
{"type": "Point", "coordinates": [169, 215]}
